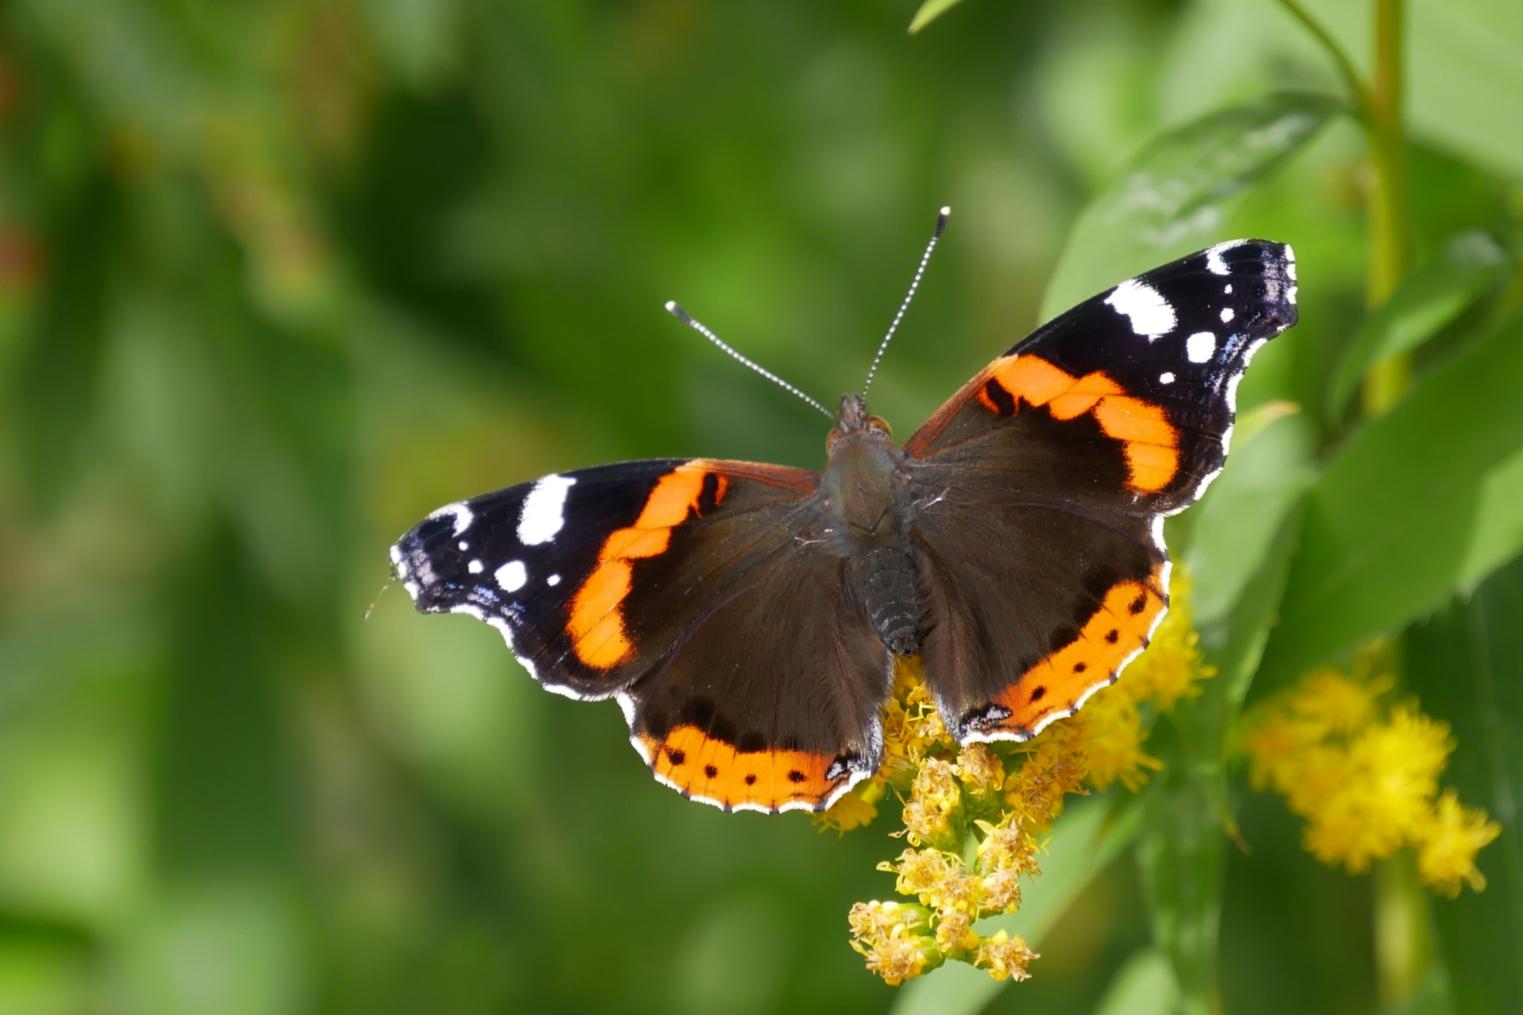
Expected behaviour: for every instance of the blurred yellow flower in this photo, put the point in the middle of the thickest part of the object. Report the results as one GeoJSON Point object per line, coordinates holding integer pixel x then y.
{"type": "Point", "coordinates": [1113, 738]}
{"type": "Point", "coordinates": [855, 809]}
{"type": "Point", "coordinates": [1172, 667]}
{"type": "Point", "coordinates": [1334, 703]}
{"type": "Point", "coordinates": [1453, 836]}
{"type": "Point", "coordinates": [1365, 777]}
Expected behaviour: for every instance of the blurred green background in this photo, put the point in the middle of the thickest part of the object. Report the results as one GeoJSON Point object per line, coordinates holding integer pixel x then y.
{"type": "Point", "coordinates": [277, 279]}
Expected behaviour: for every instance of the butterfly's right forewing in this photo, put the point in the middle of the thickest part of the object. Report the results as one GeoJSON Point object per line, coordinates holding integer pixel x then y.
{"type": "Point", "coordinates": [1046, 479]}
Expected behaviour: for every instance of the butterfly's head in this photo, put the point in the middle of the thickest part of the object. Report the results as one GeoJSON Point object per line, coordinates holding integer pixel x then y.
{"type": "Point", "coordinates": [853, 422]}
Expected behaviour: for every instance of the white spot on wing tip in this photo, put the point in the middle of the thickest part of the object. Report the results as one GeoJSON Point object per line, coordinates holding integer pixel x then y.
{"type": "Point", "coordinates": [1215, 263]}
{"type": "Point", "coordinates": [512, 576]}
{"type": "Point", "coordinates": [543, 511]}
{"type": "Point", "coordinates": [1228, 314]}
{"type": "Point", "coordinates": [1150, 314]}
{"type": "Point", "coordinates": [1167, 377]}
{"type": "Point", "coordinates": [396, 554]}
{"type": "Point", "coordinates": [461, 515]}
{"type": "Point", "coordinates": [1200, 346]}
{"type": "Point", "coordinates": [553, 580]}
{"type": "Point", "coordinates": [475, 567]}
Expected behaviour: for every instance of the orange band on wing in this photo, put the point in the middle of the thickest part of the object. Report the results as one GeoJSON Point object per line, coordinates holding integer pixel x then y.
{"type": "Point", "coordinates": [1060, 681]}
{"type": "Point", "coordinates": [1149, 440]}
{"type": "Point", "coordinates": [702, 766]}
{"type": "Point", "coordinates": [596, 624]}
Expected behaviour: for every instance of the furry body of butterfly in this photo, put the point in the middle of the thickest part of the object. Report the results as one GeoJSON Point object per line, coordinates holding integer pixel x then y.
{"type": "Point", "coordinates": [865, 493]}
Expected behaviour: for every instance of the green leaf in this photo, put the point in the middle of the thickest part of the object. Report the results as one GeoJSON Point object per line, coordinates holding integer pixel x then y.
{"type": "Point", "coordinates": [1466, 664]}
{"type": "Point", "coordinates": [1423, 500]}
{"type": "Point", "coordinates": [1233, 530]}
{"type": "Point", "coordinates": [1428, 300]}
{"type": "Point", "coordinates": [1174, 195]}
{"type": "Point", "coordinates": [1144, 986]}
{"type": "Point", "coordinates": [1089, 835]}
{"type": "Point", "coordinates": [930, 11]}
{"type": "Point", "coordinates": [1182, 847]}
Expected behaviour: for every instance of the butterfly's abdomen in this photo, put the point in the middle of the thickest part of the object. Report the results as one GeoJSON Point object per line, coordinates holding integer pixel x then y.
{"type": "Point", "coordinates": [885, 583]}
{"type": "Point", "coordinates": [866, 502]}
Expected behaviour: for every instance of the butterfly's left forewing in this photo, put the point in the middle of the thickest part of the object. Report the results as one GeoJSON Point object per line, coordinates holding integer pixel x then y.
{"type": "Point", "coordinates": [1046, 478]}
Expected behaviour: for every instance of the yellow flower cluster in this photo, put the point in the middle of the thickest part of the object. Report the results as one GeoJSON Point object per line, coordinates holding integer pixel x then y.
{"type": "Point", "coordinates": [1364, 774]}
{"type": "Point", "coordinates": [900, 941]}
{"type": "Point", "coordinates": [974, 816]}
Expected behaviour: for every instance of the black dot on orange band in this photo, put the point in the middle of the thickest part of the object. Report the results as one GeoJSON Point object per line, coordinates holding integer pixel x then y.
{"type": "Point", "coordinates": [677, 756]}
{"type": "Point", "coordinates": [795, 776]}
{"type": "Point", "coordinates": [1036, 694]}
{"type": "Point", "coordinates": [1140, 603]}
{"type": "Point", "coordinates": [1080, 667]}
{"type": "Point", "coordinates": [751, 779]}
{"type": "Point", "coordinates": [710, 771]}
{"type": "Point", "coordinates": [1112, 635]}
{"type": "Point", "coordinates": [999, 397]}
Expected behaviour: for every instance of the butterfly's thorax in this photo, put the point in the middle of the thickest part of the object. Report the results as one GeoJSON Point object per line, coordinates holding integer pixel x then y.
{"type": "Point", "coordinates": [866, 501]}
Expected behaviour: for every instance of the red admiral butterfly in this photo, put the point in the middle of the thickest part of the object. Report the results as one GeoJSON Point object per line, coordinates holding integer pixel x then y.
{"type": "Point", "coordinates": [746, 617]}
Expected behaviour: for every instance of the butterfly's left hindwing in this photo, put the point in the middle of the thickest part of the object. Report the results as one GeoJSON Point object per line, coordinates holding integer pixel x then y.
{"type": "Point", "coordinates": [660, 583]}
{"type": "Point", "coordinates": [1047, 476]}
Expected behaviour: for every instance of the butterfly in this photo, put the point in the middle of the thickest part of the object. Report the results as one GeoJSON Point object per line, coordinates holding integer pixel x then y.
{"type": "Point", "coordinates": [747, 617]}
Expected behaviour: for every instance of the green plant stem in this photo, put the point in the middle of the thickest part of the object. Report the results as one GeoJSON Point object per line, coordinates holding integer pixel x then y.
{"type": "Point", "coordinates": [1403, 945]}
{"type": "Point", "coordinates": [1357, 89]}
{"type": "Point", "coordinates": [1403, 941]}
{"type": "Point", "coordinates": [1390, 241]}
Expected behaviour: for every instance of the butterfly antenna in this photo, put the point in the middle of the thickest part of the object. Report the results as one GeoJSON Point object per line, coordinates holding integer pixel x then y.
{"type": "Point", "coordinates": [925, 259]}
{"type": "Point", "coordinates": [371, 608]}
{"type": "Point", "coordinates": [676, 311]}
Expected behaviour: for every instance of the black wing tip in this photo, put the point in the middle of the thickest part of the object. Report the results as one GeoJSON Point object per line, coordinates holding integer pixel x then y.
{"type": "Point", "coordinates": [412, 564]}
{"type": "Point", "coordinates": [1269, 263]}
